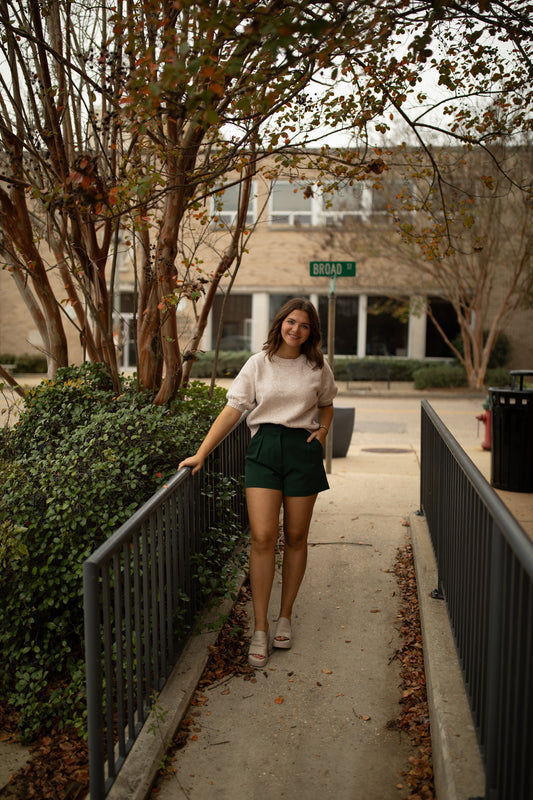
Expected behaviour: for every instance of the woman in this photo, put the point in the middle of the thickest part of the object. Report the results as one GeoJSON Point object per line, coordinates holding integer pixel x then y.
{"type": "Point", "coordinates": [288, 390]}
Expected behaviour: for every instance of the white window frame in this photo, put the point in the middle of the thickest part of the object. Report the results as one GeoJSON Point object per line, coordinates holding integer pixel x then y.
{"type": "Point", "coordinates": [289, 218]}
{"type": "Point", "coordinates": [332, 216]}
{"type": "Point", "coordinates": [228, 217]}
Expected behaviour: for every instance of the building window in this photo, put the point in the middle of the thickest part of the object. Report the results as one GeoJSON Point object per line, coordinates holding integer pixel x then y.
{"type": "Point", "coordinates": [290, 204]}
{"type": "Point", "coordinates": [386, 327]}
{"type": "Point", "coordinates": [445, 315]}
{"type": "Point", "coordinates": [126, 330]}
{"type": "Point", "coordinates": [225, 206]}
{"type": "Point", "coordinates": [237, 323]}
{"type": "Point", "coordinates": [346, 313]}
{"type": "Point", "coordinates": [393, 195]}
{"type": "Point", "coordinates": [347, 204]}
{"type": "Point", "coordinates": [277, 300]}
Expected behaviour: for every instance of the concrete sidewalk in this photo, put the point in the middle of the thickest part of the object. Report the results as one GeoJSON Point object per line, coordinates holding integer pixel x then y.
{"type": "Point", "coordinates": [316, 723]}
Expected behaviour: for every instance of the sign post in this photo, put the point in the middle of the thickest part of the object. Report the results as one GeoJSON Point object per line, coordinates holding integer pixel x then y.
{"type": "Point", "coordinates": [331, 269]}
{"type": "Point", "coordinates": [331, 361]}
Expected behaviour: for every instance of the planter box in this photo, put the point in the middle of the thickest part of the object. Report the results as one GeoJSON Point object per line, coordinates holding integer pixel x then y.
{"type": "Point", "coordinates": [343, 425]}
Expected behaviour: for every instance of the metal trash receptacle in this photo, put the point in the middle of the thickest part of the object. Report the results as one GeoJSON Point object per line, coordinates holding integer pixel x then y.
{"type": "Point", "coordinates": [512, 435]}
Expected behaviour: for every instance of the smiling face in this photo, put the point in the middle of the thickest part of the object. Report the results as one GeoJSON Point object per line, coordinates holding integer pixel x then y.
{"type": "Point", "coordinates": [295, 330]}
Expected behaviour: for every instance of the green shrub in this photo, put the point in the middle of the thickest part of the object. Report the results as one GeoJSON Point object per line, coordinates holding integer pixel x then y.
{"type": "Point", "coordinates": [501, 351]}
{"type": "Point", "coordinates": [32, 362]}
{"type": "Point", "coordinates": [81, 461]}
{"type": "Point", "coordinates": [400, 369]}
{"type": "Point", "coordinates": [221, 555]}
{"type": "Point", "coordinates": [498, 377]}
{"type": "Point", "coordinates": [443, 376]}
{"type": "Point", "coordinates": [229, 363]}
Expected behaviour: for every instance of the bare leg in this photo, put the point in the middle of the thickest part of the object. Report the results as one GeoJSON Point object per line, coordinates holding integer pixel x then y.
{"type": "Point", "coordinates": [298, 512]}
{"type": "Point", "coordinates": [263, 511]}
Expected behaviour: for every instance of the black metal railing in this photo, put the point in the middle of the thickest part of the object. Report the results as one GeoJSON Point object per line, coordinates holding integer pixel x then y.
{"type": "Point", "coordinates": [485, 569]}
{"type": "Point", "coordinates": [141, 599]}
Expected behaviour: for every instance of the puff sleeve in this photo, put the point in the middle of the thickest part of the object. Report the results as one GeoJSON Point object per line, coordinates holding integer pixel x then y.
{"type": "Point", "coordinates": [328, 388]}
{"type": "Point", "coordinates": [241, 394]}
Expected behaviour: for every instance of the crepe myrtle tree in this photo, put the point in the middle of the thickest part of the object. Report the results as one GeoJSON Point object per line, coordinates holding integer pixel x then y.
{"type": "Point", "coordinates": [119, 122]}
{"type": "Point", "coordinates": [467, 238]}
{"type": "Point", "coordinates": [479, 254]}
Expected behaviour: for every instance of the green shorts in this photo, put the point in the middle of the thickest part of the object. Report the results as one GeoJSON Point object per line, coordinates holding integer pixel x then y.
{"type": "Point", "coordinates": [281, 458]}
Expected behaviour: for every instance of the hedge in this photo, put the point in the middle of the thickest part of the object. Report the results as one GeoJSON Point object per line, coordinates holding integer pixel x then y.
{"type": "Point", "coordinates": [79, 462]}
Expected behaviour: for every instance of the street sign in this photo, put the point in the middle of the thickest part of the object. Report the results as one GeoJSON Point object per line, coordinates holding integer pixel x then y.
{"type": "Point", "coordinates": [329, 269]}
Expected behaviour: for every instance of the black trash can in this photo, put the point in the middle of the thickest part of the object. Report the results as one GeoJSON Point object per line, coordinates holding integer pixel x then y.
{"type": "Point", "coordinates": [343, 423]}
{"type": "Point", "coordinates": [512, 435]}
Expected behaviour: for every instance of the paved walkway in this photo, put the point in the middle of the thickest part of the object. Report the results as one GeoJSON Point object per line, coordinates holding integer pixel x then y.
{"type": "Point", "coordinates": [316, 725]}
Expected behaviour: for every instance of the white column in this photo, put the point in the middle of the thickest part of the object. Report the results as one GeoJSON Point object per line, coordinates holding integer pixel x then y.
{"type": "Point", "coordinates": [416, 338]}
{"type": "Point", "coordinates": [361, 326]}
{"type": "Point", "coordinates": [260, 319]}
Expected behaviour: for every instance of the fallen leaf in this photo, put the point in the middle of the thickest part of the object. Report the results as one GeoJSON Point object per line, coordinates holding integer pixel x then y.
{"type": "Point", "coordinates": [327, 672]}
{"type": "Point", "coordinates": [365, 717]}
{"type": "Point", "coordinates": [279, 700]}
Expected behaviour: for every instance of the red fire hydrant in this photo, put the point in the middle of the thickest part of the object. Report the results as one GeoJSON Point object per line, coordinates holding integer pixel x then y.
{"type": "Point", "coordinates": [485, 417]}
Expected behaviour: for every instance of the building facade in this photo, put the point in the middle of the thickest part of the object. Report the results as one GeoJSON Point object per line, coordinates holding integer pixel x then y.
{"type": "Point", "coordinates": [293, 224]}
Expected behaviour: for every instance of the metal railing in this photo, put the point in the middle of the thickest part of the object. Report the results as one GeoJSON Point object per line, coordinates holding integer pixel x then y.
{"type": "Point", "coordinates": [485, 568]}
{"type": "Point", "coordinates": [141, 599]}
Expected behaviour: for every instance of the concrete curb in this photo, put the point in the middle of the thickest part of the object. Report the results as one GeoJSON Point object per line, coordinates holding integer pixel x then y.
{"type": "Point", "coordinates": [135, 779]}
{"type": "Point", "coordinates": [457, 765]}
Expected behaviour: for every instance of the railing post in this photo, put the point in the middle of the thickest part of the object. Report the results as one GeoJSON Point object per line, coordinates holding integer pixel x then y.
{"type": "Point", "coordinates": [494, 653]}
{"type": "Point", "coordinates": [93, 667]}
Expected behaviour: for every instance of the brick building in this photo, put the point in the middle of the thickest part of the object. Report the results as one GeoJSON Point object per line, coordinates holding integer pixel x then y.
{"type": "Point", "coordinates": [290, 229]}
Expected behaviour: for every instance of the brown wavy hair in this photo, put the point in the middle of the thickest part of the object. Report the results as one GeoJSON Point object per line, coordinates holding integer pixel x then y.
{"type": "Point", "coordinates": [312, 346]}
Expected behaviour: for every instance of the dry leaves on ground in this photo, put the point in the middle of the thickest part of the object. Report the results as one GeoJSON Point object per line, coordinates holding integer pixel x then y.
{"type": "Point", "coordinates": [414, 718]}
{"type": "Point", "coordinates": [58, 769]}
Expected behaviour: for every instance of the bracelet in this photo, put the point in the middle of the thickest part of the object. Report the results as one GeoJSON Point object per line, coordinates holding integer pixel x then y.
{"type": "Point", "coordinates": [323, 426]}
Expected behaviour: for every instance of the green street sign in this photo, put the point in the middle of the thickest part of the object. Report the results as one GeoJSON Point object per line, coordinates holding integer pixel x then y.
{"type": "Point", "coordinates": [329, 269]}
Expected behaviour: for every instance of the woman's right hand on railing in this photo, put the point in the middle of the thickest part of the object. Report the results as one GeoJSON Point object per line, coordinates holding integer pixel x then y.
{"type": "Point", "coordinates": [195, 463]}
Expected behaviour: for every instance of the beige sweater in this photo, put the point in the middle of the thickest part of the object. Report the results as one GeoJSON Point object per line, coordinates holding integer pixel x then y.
{"type": "Point", "coordinates": [283, 391]}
